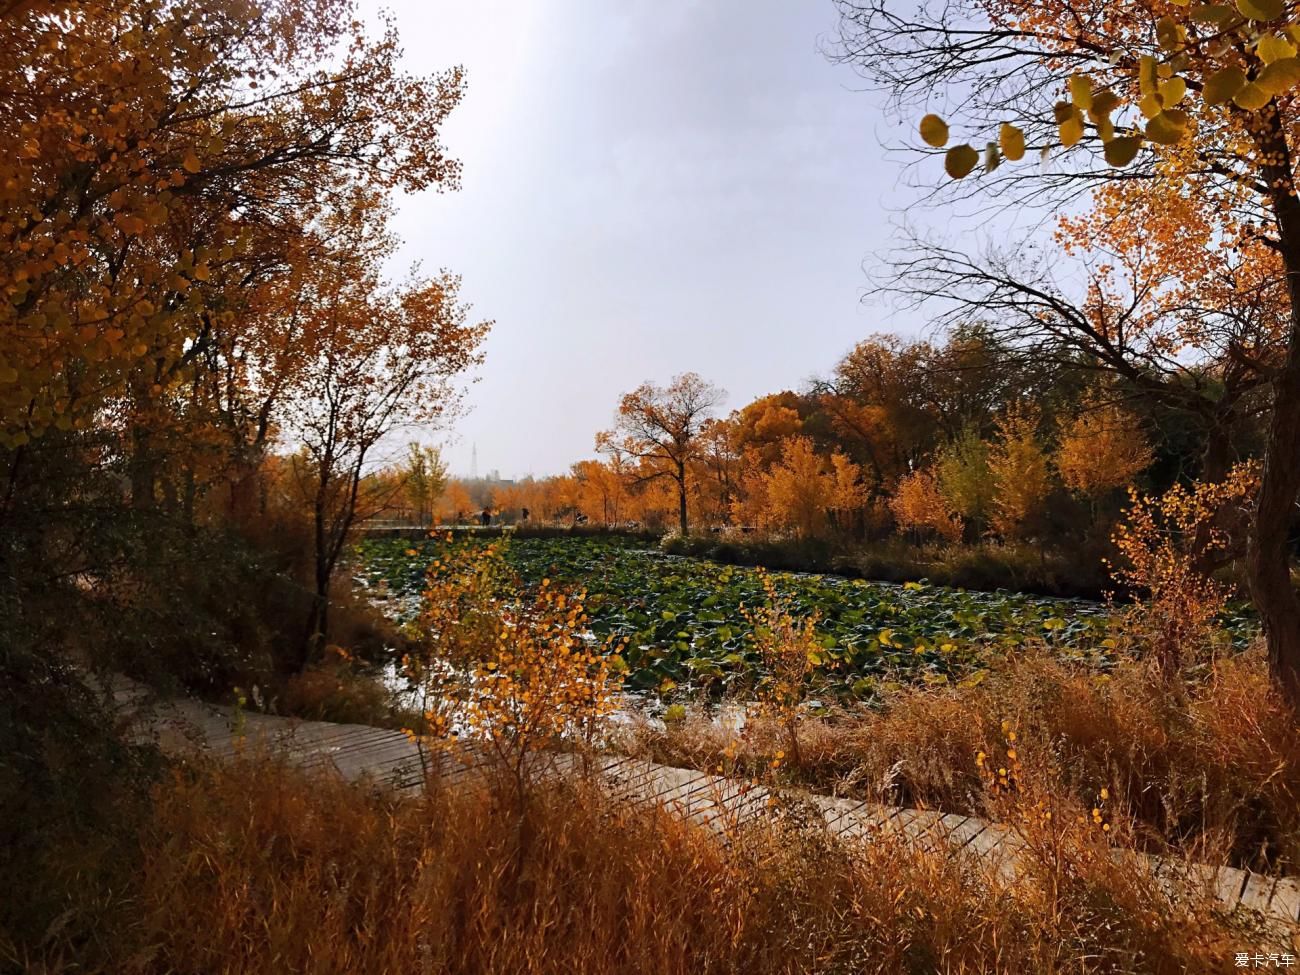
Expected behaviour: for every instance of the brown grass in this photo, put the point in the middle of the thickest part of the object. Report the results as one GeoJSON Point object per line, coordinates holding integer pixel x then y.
{"type": "Point", "coordinates": [253, 867]}
{"type": "Point", "coordinates": [1210, 768]}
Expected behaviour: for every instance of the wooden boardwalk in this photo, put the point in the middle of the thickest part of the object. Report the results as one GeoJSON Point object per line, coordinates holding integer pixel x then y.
{"type": "Point", "coordinates": [389, 757]}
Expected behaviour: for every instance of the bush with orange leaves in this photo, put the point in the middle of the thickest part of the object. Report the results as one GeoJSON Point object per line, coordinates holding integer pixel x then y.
{"type": "Point", "coordinates": [514, 671]}
{"type": "Point", "coordinates": [1169, 543]}
{"type": "Point", "coordinates": [919, 505]}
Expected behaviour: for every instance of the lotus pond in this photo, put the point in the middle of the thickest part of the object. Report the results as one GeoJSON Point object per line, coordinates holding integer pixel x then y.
{"type": "Point", "coordinates": [685, 631]}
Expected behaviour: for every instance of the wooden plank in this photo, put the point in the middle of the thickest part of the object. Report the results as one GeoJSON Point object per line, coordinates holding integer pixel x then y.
{"type": "Point", "coordinates": [1286, 900]}
{"type": "Point", "coordinates": [834, 810]}
{"type": "Point", "coordinates": [1258, 891]}
{"type": "Point", "coordinates": [915, 823]}
{"type": "Point", "coordinates": [1229, 882]}
{"type": "Point", "coordinates": [358, 751]}
{"type": "Point", "coordinates": [962, 830]}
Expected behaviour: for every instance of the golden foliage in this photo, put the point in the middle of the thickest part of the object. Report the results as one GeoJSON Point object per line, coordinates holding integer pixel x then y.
{"type": "Point", "coordinates": [791, 651]}
{"type": "Point", "coordinates": [170, 172]}
{"type": "Point", "coordinates": [919, 505]}
{"type": "Point", "coordinates": [515, 670]}
{"type": "Point", "coordinates": [1101, 448]}
{"type": "Point", "coordinates": [1021, 478]}
{"type": "Point", "coordinates": [804, 490]}
{"type": "Point", "coordinates": [1168, 543]}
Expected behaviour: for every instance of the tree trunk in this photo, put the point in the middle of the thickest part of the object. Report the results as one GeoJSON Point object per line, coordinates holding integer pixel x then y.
{"type": "Point", "coordinates": [144, 470]}
{"type": "Point", "coordinates": [681, 499]}
{"type": "Point", "coordinates": [1269, 553]}
{"type": "Point", "coordinates": [1270, 556]}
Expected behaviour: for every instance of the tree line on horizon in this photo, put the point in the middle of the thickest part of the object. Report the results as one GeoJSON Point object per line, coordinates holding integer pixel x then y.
{"type": "Point", "coordinates": [964, 439]}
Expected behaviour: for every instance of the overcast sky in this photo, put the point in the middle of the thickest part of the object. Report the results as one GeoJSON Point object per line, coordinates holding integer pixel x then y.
{"type": "Point", "coordinates": [649, 188]}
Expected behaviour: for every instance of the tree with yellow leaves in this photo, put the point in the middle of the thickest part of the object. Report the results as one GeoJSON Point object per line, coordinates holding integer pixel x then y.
{"type": "Point", "coordinates": [662, 427]}
{"type": "Point", "coordinates": [804, 491]}
{"type": "Point", "coordinates": [1021, 476]}
{"type": "Point", "coordinates": [1101, 448]}
{"type": "Point", "coordinates": [515, 675]}
{"type": "Point", "coordinates": [1200, 103]}
{"type": "Point", "coordinates": [920, 506]}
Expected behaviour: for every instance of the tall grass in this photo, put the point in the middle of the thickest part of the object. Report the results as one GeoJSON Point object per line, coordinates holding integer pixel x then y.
{"type": "Point", "coordinates": [255, 867]}
{"type": "Point", "coordinates": [1209, 767]}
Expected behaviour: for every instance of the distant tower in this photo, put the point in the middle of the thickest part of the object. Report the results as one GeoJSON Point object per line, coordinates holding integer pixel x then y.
{"type": "Point", "coordinates": [473, 463]}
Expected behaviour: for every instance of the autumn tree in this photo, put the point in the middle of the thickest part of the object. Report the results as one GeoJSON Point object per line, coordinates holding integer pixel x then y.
{"type": "Point", "coordinates": [1194, 105]}
{"type": "Point", "coordinates": [891, 402]}
{"type": "Point", "coordinates": [761, 427]}
{"type": "Point", "coordinates": [385, 358]}
{"type": "Point", "coordinates": [804, 490]}
{"type": "Point", "coordinates": [1021, 476]}
{"type": "Point", "coordinates": [424, 477]}
{"type": "Point", "coordinates": [455, 502]}
{"type": "Point", "coordinates": [164, 157]}
{"type": "Point", "coordinates": [1101, 448]}
{"type": "Point", "coordinates": [662, 427]}
{"type": "Point", "coordinates": [601, 488]}
{"type": "Point", "coordinates": [964, 478]}
{"type": "Point", "coordinates": [919, 506]}
{"type": "Point", "coordinates": [720, 469]}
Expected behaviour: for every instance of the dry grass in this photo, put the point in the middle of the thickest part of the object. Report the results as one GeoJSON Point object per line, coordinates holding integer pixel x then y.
{"type": "Point", "coordinates": [254, 867]}
{"type": "Point", "coordinates": [1210, 768]}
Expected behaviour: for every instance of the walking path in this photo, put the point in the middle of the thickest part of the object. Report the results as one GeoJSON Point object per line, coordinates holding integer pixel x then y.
{"type": "Point", "coordinates": [390, 757]}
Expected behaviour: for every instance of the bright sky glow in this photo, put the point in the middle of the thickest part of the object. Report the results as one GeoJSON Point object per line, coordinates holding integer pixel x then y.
{"type": "Point", "coordinates": [649, 188]}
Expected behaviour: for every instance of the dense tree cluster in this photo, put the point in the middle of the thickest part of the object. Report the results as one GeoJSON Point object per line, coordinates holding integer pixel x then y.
{"type": "Point", "coordinates": [200, 345]}
{"type": "Point", "coordinates": [967, 438]}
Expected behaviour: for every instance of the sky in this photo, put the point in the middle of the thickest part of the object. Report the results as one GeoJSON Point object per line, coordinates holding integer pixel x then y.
{"type": "Point", "coordinates": [648, 189]}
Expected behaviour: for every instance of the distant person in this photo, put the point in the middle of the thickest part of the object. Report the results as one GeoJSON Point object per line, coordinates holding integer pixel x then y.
{"type": "Point", "coordinates": [523, 516]}
{"type": "Point", "coordinates": [485, 518]}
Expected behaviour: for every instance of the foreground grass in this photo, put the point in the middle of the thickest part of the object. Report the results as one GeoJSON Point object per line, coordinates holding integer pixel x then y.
{"type": "Point", "coordinates": [253, 867]}
{"type": "Point", "coordinates": [1209, 768]}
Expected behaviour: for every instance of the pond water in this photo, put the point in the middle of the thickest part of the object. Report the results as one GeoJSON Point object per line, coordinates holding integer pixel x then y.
{"type": "Point", "coordinates": [686, 634]}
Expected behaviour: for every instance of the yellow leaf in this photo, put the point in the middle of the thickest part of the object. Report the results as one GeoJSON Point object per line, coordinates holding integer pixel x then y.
{"type": "Point", "coordinates": [1252, 98]}
{"type": "Point", "coordinates": [1147, 75]}
{"type": "Point", "coordinates": [1103, 103]}
{"type": "Point", "coordinates": [1012, 141]}
{"type": "Point", "coordinates": [1272, 48]}
{"type": "Point", "coordinates": [1168, 34]}
{"type": "Point", "coordinates": [191, 163]}
{"type": "Point", "coordinates": [1120, 152]}
{"type": "Point", "coordinates": [960, 160]}
{"type": "Point", "coordinates": [1223, 85]}
{"type": "Point", "coordinates": [934, 131]}
{"type": "Point", "coordinates": [1212, 13]}
{"type": "Point", "coordinates": [1280, 76]}
{"type": "Point", "coordinates": [1150, 106]}
{"type": "Point", "coordinates": [1105, 129]}
{"type": "Point", "coordinates": [1167, 128]}
{"type": "Point", "coordinates": [1071, 131]}
{"type": "Point", "coordinates": [1173, 91]}
{"type": "Point", "coordinates": [1261, 9]}
{"type": "Point", "coordinates": [1081, 92]}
